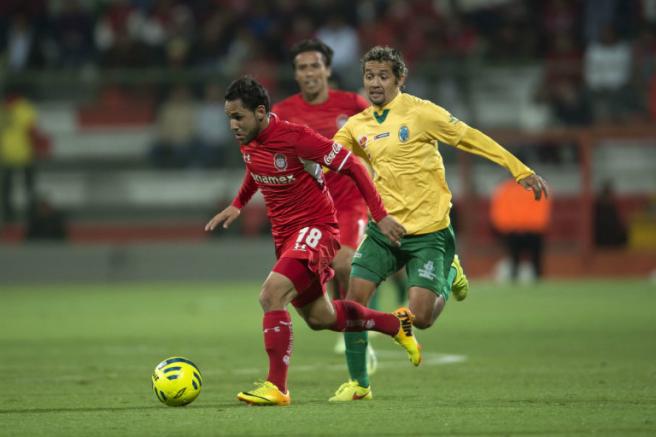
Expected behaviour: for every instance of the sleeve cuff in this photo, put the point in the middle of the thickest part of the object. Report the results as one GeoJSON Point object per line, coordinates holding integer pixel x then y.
{"type": "Point", "coordinates": [523, 174]}
{"type": "Point", "coordinates": [379, 215]}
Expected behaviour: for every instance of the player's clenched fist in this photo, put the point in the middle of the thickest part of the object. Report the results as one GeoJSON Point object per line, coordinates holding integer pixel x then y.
{"type": "Point", "coordinates": [392, 229]}
{"type": "Point", "coordinates": [226, 217]}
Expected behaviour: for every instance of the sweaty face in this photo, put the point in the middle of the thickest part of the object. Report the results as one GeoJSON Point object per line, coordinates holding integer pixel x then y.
{"type": "Point", "coordinates": [245, 124]}
{"type": "Point", "coordinates": [380, 83]}
{"type": "Point", "coordinates": [311, 73]}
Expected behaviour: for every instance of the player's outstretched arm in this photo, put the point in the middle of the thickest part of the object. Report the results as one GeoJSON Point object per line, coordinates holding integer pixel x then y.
{"type": "Point", "coordinates": [536, 184]}
{"type": "Point", "coordinates": [476, 142]}
{"type": "Point", "coordinates": [226, 217]}
{"type": "Point", "coordinates": [230, 214]}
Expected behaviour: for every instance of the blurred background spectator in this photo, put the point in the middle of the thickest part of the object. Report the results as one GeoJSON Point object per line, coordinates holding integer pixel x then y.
{"type": "Point", "coordinates": [343, 39]}
{"type": "Point", "coordinates": [20, 142]}
{"type": "Point", "coordinates": [212, 130]}
{"type": "Point", "coordinates": [175, 130]}
{"type": "Point", "coordinates": [609, 227]}
{"type": "Point", "coordinates": [608, 64]}
{"type": "Point", "coordinates": [521, 222]}
{"type": "Point", "coordinates": [22, 45]}
{"type": "Point", "coordinates": [45, 223]}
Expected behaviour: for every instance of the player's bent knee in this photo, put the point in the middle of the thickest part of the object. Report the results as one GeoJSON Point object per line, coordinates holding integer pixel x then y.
{"type": "Point", "coordinates": [423, 322]}
{"type": "Point", "coordinates": [267, 301]}
{"type": "Point", "coordinates": [275, 295]}
{"type": "Point", "coordinates": [317, 323]}
{"type": "Point", "coordinates": [314, 325]}
{"type": "Point", "coordinates": [423, 317]}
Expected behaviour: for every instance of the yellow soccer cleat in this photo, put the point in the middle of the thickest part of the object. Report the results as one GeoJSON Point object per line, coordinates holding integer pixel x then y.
{"type": "Point", "coordinates": [351, 391]}
{"type": "Point", "coordinates": [265, 394]}
{"type": "Point", "coordinates": [405, 338]}
{"type": "Point", "coordinates": [460, 286]}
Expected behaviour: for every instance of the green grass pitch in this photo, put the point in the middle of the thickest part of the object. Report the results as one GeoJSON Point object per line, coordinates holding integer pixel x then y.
{"type": "Point", "coordinates": [559, 358]}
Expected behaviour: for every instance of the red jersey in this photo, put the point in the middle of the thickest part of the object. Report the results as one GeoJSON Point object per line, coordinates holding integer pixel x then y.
{"type": "Point", "coordinates": [282, 163]}
{"type": "Point", "coordinates": [327, 118]}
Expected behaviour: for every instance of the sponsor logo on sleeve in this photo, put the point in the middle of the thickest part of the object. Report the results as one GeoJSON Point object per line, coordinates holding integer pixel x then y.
{"type": "Point", "coordinates": [329, 158]}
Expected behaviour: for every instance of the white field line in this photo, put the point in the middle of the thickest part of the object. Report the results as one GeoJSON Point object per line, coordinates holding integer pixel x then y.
{"type": "Point", "coordinates": [395, 361]}
{"type": "Point", "coordinates": [387, 359]}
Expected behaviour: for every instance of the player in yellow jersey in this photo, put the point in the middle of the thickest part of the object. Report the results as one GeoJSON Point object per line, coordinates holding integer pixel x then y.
{"type": "Point", "coordinates": [398, 137]}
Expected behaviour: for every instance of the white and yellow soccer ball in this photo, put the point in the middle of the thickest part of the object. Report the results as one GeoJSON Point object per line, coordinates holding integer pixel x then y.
{"type": "Point", "coordinates": [177, 381]}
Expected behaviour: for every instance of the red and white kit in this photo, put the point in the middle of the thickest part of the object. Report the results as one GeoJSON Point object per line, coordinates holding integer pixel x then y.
{"type": "Point", "coordinates": [282, 162]}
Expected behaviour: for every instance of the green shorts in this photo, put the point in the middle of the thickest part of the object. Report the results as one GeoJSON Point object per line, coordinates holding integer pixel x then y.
{"type": "Point", "coordinates": [427, 258]}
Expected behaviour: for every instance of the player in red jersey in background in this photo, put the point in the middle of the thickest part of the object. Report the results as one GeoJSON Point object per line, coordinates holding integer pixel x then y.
{"type": "Point", "coordinates": [326, 110]}
{"type": "Point", "coordinates": [281, 161]}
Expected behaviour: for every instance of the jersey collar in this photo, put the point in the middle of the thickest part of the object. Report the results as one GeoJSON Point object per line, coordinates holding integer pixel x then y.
{"type": "Point", "coordinates": [316, 105]}
{"type": "Point", "coordinates": [380, 113]}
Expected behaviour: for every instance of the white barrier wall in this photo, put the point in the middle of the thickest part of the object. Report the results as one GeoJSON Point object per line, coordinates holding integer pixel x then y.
{"type": "Point", "coordinates": [220, 260]}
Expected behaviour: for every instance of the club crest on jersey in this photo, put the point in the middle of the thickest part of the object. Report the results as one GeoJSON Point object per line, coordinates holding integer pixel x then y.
{"type": "Point", "coordinates": [363, 141]}
{"type": "Point", "coordinates": [404, 133]}
{"type": "Point", "coordinates": [247, 158]}
{"type": "Point", "coordinates": [341, 120]}
{"type": "Point", "coordinates": [280, 162]}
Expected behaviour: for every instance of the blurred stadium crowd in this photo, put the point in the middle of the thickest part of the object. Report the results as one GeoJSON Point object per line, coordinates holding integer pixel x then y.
{"type": "Point", "coordinates": [598, 56]}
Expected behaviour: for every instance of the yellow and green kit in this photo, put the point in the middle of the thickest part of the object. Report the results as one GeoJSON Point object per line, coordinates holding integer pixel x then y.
{"type": "Point", "coordinates": [400, 143]}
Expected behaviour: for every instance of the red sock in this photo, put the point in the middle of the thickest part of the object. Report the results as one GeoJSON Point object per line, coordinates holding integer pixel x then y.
{"type": "Point", "coordinates": [278, 341]}
{"type": "Point", "coordinates": [353, 317]}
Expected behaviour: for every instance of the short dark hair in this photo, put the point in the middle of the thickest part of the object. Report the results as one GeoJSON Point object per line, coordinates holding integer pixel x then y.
{"type": "Point", "coordinates": [312, 45]}
{"type": "Point", "coordinates": [251, 93]}
{"type": "Point", "coordinates": [386, 54]}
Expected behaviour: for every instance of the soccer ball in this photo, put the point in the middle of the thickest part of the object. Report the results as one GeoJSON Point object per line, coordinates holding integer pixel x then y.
{"type": "Point", "coordinates": [177, 381]}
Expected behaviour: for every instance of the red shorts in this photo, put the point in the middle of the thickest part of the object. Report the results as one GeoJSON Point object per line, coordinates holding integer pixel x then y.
{"type": "Point", "coordinates": [305, 259]}
{"type": "Point", "coordinates": [352, 224]}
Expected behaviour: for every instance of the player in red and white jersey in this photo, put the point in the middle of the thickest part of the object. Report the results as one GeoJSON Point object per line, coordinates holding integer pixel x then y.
{"type": "Point", "coordinates": [281, 161]}
{"type": "Point", "coordinates": [326, 110]}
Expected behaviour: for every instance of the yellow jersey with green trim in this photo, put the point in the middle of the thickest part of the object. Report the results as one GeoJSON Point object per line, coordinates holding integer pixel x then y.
{"type": "Point", "coordinates": [400, 143]}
